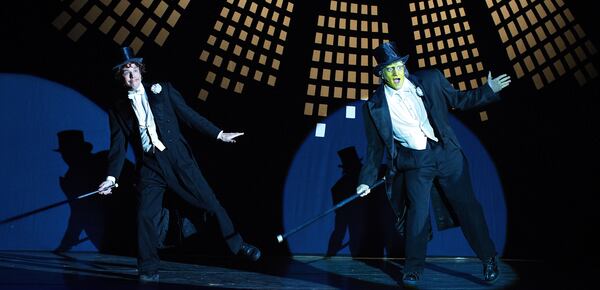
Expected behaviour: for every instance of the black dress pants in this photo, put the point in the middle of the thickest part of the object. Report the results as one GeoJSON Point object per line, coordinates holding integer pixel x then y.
{"type": "Point", "coordinates": [162, 170]}
{"type": "Point", "coordinates": [447, 165]}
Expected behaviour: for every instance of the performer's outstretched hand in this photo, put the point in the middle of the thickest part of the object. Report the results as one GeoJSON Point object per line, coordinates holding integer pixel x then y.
{"type": "Point", "coordinates": [498, 83]}
{"type": "Point", "coordinates": [229, 137]}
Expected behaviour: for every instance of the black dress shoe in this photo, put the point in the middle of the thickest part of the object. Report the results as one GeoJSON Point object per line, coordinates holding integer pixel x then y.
{"type": "Point", "coordinates": [411, 278]}
{"type": "Point", "coordinates": [149, 278]}
{"type": "Point", "coordinates": [249, 252]}
{"type": "Point", "coordinates": [491, 273]}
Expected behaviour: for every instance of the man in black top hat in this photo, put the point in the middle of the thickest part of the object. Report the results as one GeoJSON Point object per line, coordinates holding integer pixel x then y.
{"type": "Point", "coordinates": [148, 117]}
{"type": "Point", "coordinates": [406, 120]}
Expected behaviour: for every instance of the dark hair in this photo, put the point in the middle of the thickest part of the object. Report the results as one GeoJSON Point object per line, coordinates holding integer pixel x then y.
{"type": "Point", "coordinates": [119, 72]}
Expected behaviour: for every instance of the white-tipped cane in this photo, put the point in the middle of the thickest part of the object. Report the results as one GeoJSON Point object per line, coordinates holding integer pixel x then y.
{"type": "Point", "coordinates": [283, 236]}
{"type": "Point", "coordinates": [29, 213]}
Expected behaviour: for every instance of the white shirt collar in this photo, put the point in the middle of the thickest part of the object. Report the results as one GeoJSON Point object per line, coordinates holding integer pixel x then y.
{"type": "Point", "coordinates": [139, 91]}
{"type": "Point", "coordinates": [407, 87]}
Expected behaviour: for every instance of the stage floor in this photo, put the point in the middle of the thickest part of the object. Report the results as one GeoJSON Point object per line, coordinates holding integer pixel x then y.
{"type": "Point", "coordinates": [83, 270]}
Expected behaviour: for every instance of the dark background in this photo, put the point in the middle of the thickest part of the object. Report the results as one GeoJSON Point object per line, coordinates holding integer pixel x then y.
{"type": "Point", "coordinates": [544, 142]}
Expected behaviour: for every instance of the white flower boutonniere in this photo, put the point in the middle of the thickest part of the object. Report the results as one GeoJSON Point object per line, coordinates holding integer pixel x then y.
{"type": "Point", "coordinates": [419, 92]}
{"type": "Point", "coordinates": [156, 88]}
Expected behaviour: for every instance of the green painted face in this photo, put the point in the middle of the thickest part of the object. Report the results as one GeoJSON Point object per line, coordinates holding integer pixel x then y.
{"type": "Point", "coordinates": [393, 74]}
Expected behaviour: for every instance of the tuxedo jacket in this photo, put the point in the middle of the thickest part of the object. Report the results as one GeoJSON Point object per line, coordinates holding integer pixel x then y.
{"type": "Point", "coordinates": [439, 97]}
{"type": "Point", "coordinates": [169, 110]}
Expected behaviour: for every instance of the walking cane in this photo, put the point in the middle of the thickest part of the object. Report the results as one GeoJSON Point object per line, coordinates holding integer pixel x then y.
{"type": "Point", "coordinates": [283, 236]}
{"type": "Point", "coordinates": [23, 215]}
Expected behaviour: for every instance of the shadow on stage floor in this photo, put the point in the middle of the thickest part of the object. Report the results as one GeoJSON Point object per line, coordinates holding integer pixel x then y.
{"type": "Point", "coordinates": [83, 270]}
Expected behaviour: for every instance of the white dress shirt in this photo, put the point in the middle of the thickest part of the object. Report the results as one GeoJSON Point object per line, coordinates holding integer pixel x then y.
{"type": "Point", "coordinates": [147, 126]}
{"type": "Point", "coordinates": [410, 124]}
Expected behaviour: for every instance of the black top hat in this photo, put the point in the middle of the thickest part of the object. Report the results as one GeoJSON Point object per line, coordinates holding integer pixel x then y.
{"type": "Point", "coordinates": [72, 140]}
{"type": "Point", "coordinates": [349, 157]}
{"type": "Point", "coordinates": [127, 57]}
{"type": "Point", "coordinates": [386, 54]}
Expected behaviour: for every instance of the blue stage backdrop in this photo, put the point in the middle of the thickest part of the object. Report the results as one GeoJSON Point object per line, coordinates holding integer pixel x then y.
{"type": "Point", "coordinates": [39, 171]}
{"type": "Point", "coordinates": [324, 172]}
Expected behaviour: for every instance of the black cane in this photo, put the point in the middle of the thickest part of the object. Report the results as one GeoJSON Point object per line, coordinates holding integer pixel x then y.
{"type": "Point", "coordinates": [23, 215]}
{"type": "Point", "coordinates": [283, 236]}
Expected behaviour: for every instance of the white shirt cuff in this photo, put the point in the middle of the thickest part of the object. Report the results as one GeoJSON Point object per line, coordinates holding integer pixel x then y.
{"type": "Point", "coordinates": [111, 178]}
{"type": "Point", "coordinates": [219, 136]}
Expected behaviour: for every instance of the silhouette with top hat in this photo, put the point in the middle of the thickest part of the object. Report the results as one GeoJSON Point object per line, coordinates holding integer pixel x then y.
{"type": "Point", "coordinates": [88, 219]}
{"type": "Point", "coordinates": [348, 218]}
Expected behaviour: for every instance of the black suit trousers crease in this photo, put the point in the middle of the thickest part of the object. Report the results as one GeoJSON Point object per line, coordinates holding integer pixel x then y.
{"type": "Point", "coordinates": [447, 166]}
{"type": "Point", "coordinates": [166, 169]}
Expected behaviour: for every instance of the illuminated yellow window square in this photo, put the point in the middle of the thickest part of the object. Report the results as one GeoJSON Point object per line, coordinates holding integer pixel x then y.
{"type": "Point", "coordinates": [203, 95]}
{"type": "Point", "coordinates": [351, 93]}
{"type": "Point", "coordinates": [250, 55]}
{"type": "Point", "coordinates": [326, 74]}
{"type": "Point", "coordinates": [210, 77]}
{"type": "Point", "coordinates": [328, 57]}
{"type": "Point", "coordinates": [92, 15]}
{"type": "Point", "coordinates": [352, 57]}
{"type": "Point", "coordinates": [211, 40]}
{"type": "Point", "coordinates": [243, 35]}
{"type": "Point", "coordinates": [271, 80]}
{"type": "Point", "coordinates": [351, 76]}
{"type": "Point", "coordinates": [283, 35]}
{"type": "Point", "coordinates": [107, 25]}
{"type": "Point", "coordinates": [275, 64]}
{"type": "Point", "coordinates": [364, 94]}
{"type": "Point", "coordinates": [339, 75]}
{"type": "Point", "coordinates": [324, 91]}
{"type": "Point", "coordinates": [244, 71]}
{"type": "Point", "coordinates": [224, 12]}
{"type": "Point", "coordinates": [469, 68]}
{"type": "Point", "coordinates": [231, 65]}
{"type": "Point", "coordinates": [308, 108]}
{"type": "Point", "coordinates": [224, 45]}
{"type": "Point", "coordinates": [337, 92]}
{"type": "Point", "coordinates": [271, 30]}
{"type": "Point", "coordinates": [64, 17]}
{"type": "Point", "coordinates": [267, 44]}
{"type": "Point", "coordinates": [316, 56]}
{"type": "Point", "coordinates": [518, 70]}
{"type": "Point", "coordinates": [217, 61]}
{"type": "Point", "coordinates": [239, 87]}
{"type": "Point", "coordinates": [230, 30]}
{"type": "Point", "coordinates": [311, 90]}
{"type": "Point", "coordinates": [262, 59]}
{"type": "Point", "coordinates": [322, 110]}
{"type": "Point", "coordinates": [236, 17]}
{"type": "Point", "coordinates": [237, 50]}
{"type": "Point", "coordinates": [258, 75]}
{"type": "Point", "coordinates": [225, 83]}
{"type": "Point", "coordinates": [457, 71]}
{"type": "Point", "coordinates": [204, 55]}
{"type": "Point", "coordinates": [339, 58]}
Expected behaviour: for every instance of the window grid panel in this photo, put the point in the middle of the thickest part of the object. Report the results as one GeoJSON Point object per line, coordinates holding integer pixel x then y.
{"type": "Point", "coordinates": [254, 40]}
{"type": "Point", "coordinates": [547, 37]}
{"type": "Point", "coordinates": [341, 59]}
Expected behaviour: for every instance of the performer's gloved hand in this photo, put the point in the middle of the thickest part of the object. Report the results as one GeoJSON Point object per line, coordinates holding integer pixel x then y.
{"type": "Point", "coordinates": [363, 190]}
{"type": "Point", "coordinates": [106, 187]}
{"type": "Point", "coordinates": [228, 137]}
{"type": "Point", "coordinates": [498, 83]}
